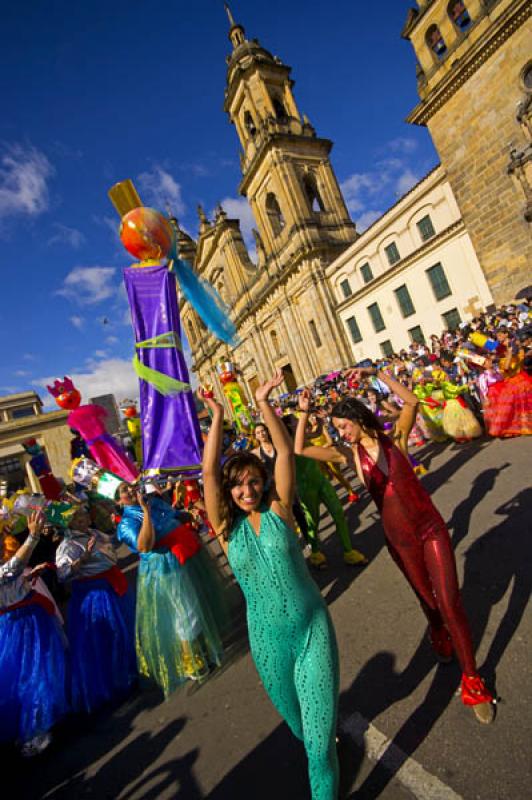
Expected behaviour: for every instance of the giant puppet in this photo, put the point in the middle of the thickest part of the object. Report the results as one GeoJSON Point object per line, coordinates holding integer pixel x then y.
{"type": "Point", "coordinates": [235, 396]}
{"type": "Point", "coordinates": [171, 438]}
{"type": "Point", "coordinates": [89, 421]}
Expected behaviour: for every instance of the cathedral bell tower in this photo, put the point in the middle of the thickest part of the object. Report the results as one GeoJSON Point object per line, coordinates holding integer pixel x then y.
{"type": "Point", "coordinates": [286, 173]}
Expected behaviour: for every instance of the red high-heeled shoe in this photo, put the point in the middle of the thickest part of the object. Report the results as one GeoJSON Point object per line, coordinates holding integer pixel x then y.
{"type": "Point", "coordinates": [475, 695]}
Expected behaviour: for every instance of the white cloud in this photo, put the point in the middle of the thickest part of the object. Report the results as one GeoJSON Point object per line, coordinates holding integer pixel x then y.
{"type": "Point", "coordinates": [101, 353]}
{"type": "Point", "coordinates": [403, 144]}
{"type": "Point", "coordinates": [77, 322]}
{"type": "Point", "coordinates": [367, 218]}
{"type": "Point", "coordinates": [406, 180]}
{"type": "Point", "coordinates": [383, 185]}
{"type": "Point", "coordinates": [112, 340]}
{"type": "Point", "coordinates": [159, 188]}
{"type": "Point", "coordinates": [109, 376]}
{"type": "Point", "coordinates": [65, 235]}
{"type": "Point", "coordinates": [28, 357]}
{"type": "Point", "coordinates": [362, 184]}
{"type": "Point", "coordinates": [24, 175]}
{"type": "Point", "coordinates": [22, 373]}
{"type": "Point", "coordinates": [88, 285]}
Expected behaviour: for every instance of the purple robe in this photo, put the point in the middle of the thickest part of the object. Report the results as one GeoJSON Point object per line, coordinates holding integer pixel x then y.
{"type": "Point", "coordinates": [171, 437]}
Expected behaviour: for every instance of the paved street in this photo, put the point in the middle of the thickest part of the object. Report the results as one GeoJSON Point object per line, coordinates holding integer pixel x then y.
{"type": "Point", "coordinates": [406, 734]}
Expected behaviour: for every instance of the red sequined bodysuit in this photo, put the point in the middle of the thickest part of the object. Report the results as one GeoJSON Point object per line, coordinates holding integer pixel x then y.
{"type": "Point", "coordinates": [419, 543]}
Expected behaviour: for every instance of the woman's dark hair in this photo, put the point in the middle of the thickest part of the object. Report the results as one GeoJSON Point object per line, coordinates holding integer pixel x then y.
{"type": "Point", "coordinates": [263, 425]}
{"type": "Point", "coordinates": [378, 395]}
{"type": "Point", "coordinates": [231, 472]}
{"type": "Point", "coordinates": [357, 411]}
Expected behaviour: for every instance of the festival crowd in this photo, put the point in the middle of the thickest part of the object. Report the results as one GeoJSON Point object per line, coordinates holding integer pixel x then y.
{"type": "Point", "coordinates": [258, 500]}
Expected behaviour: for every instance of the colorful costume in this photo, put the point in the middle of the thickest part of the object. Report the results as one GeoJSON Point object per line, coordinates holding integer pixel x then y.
{"type": "Point", "coordinates": [419, 543]}
{"type": "Point", "coordinates": [485, 381]}
{"type": "Point", "coordinates": [100, 622]}
{"type": "Point", "coordinates": [431, 411]}
{"type": "Point", "coordinates": [180, 607]}
{"type": "Point", "coordinates": [292, 640]}
{"type": "Point", "coordinates": [32, 659]}
{"type": "Point", "coordinates": [458, 421]}
{"type": "Point", "coordinates": [50, 486]}
{"type": "Point", "coordinates": [508, 410]}
{"type": "Point", "coordinates": [235, 396]}
{"type": "Point", "coordinates": [313, 488]}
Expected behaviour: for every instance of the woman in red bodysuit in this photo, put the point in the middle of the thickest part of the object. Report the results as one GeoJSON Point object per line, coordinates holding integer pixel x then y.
{"type": "Point", "coordinates": [416, 535]}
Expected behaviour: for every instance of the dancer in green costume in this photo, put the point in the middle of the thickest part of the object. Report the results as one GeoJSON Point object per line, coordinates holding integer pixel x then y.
{"type": "Point", "coordinates": [291, 634]}
{"type": "Point", "coordinates": [314, 489]}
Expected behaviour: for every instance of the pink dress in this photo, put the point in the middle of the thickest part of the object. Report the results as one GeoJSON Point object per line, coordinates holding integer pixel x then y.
{"type": "Point", "coordinates": [89, 421]}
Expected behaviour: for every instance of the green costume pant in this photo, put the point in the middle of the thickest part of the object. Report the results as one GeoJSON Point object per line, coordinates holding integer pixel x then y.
{"type": "Point", "coordinates": [313, 489]}
{"type": "Point", "coordinates": [292, 640]}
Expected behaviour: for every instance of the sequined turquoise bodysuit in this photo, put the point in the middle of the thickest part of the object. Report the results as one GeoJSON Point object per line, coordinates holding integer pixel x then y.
{"type": "Point", "coordinates": [292, 640]}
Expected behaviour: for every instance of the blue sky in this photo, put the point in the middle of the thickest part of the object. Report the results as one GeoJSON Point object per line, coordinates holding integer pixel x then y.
{"type": "Point", "coordinates": [97, 92]}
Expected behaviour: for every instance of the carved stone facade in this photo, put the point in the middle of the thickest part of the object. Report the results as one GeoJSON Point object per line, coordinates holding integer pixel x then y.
{"type": "Point", "coordinates": [282, 305]}
{"type": "Point", "coordinates": [475, 84]}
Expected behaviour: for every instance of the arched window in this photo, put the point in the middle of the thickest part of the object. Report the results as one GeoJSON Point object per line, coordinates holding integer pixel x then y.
{"type": "Point", "coordinates": [435, 41]}
{"type": "Point", "coordinates": [274, 214]}
{"type": "Point", "coordinates": [459, 14]}
{"type": "Point", "coordinates": [280, 111]}
{"type": "Point", "coordinates": [191, 332]}
{"type": "Point", "coordinates": [275, 342]}
{"type": "Point", "coordinates": [313, 195]}
{"type": "Point", "coordinates": [249, 123]}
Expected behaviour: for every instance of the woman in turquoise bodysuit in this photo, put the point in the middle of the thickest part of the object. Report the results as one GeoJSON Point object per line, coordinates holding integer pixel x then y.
{"type": "Point", "coordinates": [291, 634]}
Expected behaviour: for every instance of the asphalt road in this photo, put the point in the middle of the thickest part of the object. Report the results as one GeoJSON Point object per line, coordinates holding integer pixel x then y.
{"type": "Point", "coordinates": [405, 732]}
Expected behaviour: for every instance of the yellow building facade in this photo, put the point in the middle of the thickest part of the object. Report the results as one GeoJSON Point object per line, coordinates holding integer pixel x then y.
{"type": "Point", "coordinates": [282, 305]}
{"type": "Point", "coordinates": [22, 418]}
{"type": "Point", "coordinates": [413, 273]}
{"type": "Point", "coordinates": [475, 88]}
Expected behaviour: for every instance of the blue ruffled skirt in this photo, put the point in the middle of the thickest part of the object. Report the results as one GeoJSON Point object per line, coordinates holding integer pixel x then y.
{"type": "Point", "coordinates": [102, 643]}
{"type": "Point", "coordinates": [32, 673]}
{"type": "Point", "coordinates": [181, 613]}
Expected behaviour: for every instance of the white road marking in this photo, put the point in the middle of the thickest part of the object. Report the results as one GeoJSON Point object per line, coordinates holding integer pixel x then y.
{"type": "Point", "coordinates": [405, 769]}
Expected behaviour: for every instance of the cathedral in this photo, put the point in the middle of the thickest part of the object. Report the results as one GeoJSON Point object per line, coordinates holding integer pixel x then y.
{"type": "Point", "coordinates": [302, 304]}
{"type": "Point", "coordinates": [282, 305]}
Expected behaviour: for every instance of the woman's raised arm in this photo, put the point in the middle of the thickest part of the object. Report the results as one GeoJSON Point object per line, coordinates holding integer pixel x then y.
{"type": "Point", "coordinates": [212, 454]}
{"type": "Point", "coordinates": [285, 471]}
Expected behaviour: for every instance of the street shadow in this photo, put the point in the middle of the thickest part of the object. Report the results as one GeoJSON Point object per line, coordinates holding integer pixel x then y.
{"type": "Point", "coordinates": [501, 558]}
{"type": "Point", "coordinates": [461, 517]}
{"type": "Point", "coordinates": [66, 769]}
{"type": "Point", "coordinates": [276, 768]}
{"type": "Point", "coordinates": [496, 561]}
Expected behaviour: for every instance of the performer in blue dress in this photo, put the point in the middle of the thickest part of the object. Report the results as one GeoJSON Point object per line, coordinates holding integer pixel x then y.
{"type": "Point", "coordinates": [180, 604]}
{"type": "Point", "coordinates": [101, 616]}
{"type": "Point", "coordinates": [32, 653]}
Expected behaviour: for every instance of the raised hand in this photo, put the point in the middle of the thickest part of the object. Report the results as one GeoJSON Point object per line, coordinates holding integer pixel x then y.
{"type": "Point", "coordinates": [35, 523]}
{"type": "Point", "coordinates": [208, 399]}
{"type": "Point", "coordinates": [303, 400]}
{"type": "Point", "coordinates": [263, 392]}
